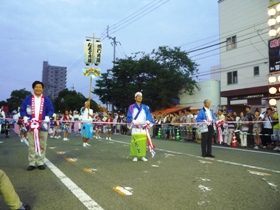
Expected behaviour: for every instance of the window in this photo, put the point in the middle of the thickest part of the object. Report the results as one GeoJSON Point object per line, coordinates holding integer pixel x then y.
{"type": "Point", "coordinates": [232, 77]}
{"type": "Point", "coordinates": [231, 43]}
{"type": "Point", "coordinates": [256, 71]}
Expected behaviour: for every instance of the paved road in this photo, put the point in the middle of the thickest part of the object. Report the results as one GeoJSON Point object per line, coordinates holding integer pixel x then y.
{"type": "Point", "coordinates": [177, 178]}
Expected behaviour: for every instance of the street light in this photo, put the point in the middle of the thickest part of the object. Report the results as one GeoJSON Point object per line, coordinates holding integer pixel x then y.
{"type": "Point", "coordinates": [274, 19]}
{"type": "Point", "coordinates": [274, 76]}
{"type": "Point", "coordinates": [273, 83]}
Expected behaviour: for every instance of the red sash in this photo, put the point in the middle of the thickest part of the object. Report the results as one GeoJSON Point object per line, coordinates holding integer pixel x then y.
{"type": "Point", "coordinates": [220, 136]}
{"type": "Point", "coordinates": [151, 146]}
{"type": "Point", "coordinates": [36, 124]}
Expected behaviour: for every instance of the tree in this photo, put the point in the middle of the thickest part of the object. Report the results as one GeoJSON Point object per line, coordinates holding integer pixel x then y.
{"type": "Point", "coordinates": [71, 100]}
{"type": "Point", "coordinates": [17, 96]}
{"type": "Point", "coordinates": [160, 75]}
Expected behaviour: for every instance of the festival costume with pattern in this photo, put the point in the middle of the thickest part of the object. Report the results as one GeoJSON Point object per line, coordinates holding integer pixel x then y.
{"type": "Point", "coordinates": [16, 126]}
{"type": "Point", "coordinates": [110, 124]}
{"type": "Point", "coordinates": [109, 120]}
{"type": "Point", "coordinates": [138, 116]}
{"type": "Point", "coordinates": [66, 123]}
{"type": "Point", "coordinates": [28, 109]}
{"type": "Point", "coordinates": [76, 123]}
{"type": "Point", "coordinates": [208, 118]}
{"type": "Point", "coordinates": [87, 128]}
{"type": "Point", "coordinates": [57, 128]}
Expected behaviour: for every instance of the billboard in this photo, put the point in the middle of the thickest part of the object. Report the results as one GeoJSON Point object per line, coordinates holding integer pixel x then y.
{"type": "Point", "coordinates": [274, 55]}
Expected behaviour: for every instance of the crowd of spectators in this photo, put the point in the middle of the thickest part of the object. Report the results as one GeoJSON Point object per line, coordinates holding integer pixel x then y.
{"type": "Point", "coordinates": [251, 128]}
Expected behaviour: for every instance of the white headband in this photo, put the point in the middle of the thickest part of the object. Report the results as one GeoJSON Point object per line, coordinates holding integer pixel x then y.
{"type": "Point", "coordinates": [138, 93]}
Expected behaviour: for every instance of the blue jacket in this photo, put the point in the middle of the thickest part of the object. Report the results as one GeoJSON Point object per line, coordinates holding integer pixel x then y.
{"type": "Point", "coordinates": [146, 109]}
{"type": "Point", "coordinates": [201, 116]}
{"type": "Point", "coordinates": [47, 110]}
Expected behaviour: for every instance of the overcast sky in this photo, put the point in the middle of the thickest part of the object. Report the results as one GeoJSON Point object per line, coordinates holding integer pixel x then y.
{"type": "Point", "coordinates": [34, 31]}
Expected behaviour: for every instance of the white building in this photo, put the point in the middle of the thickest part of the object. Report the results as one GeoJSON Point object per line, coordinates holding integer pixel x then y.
{"type": "Point", "coordinates": [209, 89]}
{"type": "Point", "coordinates": [244, 59]}
{"type": "Point", "coordinates": [54, 79]}
{"type": "Point", "coordinates": [215, 73]}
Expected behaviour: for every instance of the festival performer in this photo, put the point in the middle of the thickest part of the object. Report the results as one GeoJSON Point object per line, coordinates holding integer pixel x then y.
{"type": "Point", "coordinates": [6, 129]}
{"type": "Point", "coordinates": [207, 119]}
{"type": "Point", "coordinates": [98, 126]}
{"type": "Point", "coordinates": [57, 127]}
{"type": "Point", "coordinates": [16, 126]}
{"type": "Point", "coordinates": [109, 126]}
{"type": "Point", "coordinates": [76, 117]}
{"type": "Point", "coordinates": [87, 130]}
{"type": "Point", "coordinates": [2, 118]}
{"type": "Point", "coordinates": [51, 128]}
{"type": "Point", "coordinates": [139, 119]}
{"type": "Point", "coordinates": [66, 127]}
{"type": "Point", "coordinates": [22, 129]}
{"type": "Point", "coordinates": [36, 110]}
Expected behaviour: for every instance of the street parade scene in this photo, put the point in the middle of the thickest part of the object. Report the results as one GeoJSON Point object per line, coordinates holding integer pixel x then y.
{"type": "Point", "coordinates": [151, 130]}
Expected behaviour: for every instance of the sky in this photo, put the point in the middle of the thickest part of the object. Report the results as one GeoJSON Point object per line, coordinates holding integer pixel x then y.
{"type": "Point", "coordinates": [34, 31]}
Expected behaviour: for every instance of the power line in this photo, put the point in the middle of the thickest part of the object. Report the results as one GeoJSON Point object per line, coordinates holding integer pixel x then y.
{"type": "Point", "coordinates": [140, 17]}
{"type": "Point", "coordinates": [135, 17]}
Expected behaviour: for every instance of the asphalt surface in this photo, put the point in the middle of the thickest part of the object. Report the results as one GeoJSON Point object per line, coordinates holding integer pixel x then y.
{"type": "Point", "coordinates": [176, 178]}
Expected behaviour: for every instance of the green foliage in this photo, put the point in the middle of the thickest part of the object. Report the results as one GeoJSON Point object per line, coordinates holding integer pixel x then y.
{"type": "Point", "coordinates": [17, 96]}
{"type": "Point", "coordinates": [159, 75]}
{"type": "Point", "coordinates": [71, 100]}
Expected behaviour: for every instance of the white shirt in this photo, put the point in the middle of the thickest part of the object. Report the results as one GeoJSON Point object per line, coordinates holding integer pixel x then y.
{"type": "Point", "coordinates": [267, 123]}
{"type": "Point", "coordinates": [189, 118]}
{"type": "Point", "coordinates": [208, 114]}
{"type": "Point", "coordinates": [85, 116]}
{"type": "Point", "coordinates": [3, 113]}
{"type": "Point", "coordinates": [76, 116]}
{"type": "Point", "coordinates": [37, 106]}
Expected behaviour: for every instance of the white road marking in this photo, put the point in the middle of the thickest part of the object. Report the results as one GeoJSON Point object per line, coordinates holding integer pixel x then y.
{"type": "Point", "coordinates": [217, 160]}
{"type": "Point", "coordinates": [204, 188]}
{"type": "Point", "coordinates": [85, 199]}
{"type": "Point", "coordinates": [259, 173]}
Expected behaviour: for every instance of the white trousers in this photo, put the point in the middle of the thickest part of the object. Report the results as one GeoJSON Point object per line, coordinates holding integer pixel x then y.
{"type": "Point", "coordinates": [243, 138]}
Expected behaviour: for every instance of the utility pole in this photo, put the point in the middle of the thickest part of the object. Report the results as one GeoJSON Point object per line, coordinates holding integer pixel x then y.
{"type": "Point", "coordinates": [114, 43]}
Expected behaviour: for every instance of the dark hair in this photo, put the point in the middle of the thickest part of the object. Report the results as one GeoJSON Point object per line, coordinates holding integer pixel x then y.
{"type": "Point", "coordinates": [269, 108]}
{"type": "Point", "coordinates": [36, 83]}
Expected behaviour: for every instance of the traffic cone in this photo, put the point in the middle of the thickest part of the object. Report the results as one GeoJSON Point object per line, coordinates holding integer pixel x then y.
{"type": "Point", "coordinates": [178, 135]}
{"type": "Point", "coordinates": [159, 133]}
{"type": "Point", "coordinates": [234, 142]}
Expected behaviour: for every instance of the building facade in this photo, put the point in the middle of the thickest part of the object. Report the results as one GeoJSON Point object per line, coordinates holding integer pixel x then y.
{"type": "Point", "coordinates": [54, 79]}
{"type": "Point", "coordinates": [209, 89]}
{"type": "Point", "coordinates": [244, 58]}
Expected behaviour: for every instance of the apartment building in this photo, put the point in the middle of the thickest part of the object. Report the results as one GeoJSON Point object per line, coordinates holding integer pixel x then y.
{"type": "Point", "coordinates": [244, 62]}
{"type": "Point", "coordinates": [54, 79]}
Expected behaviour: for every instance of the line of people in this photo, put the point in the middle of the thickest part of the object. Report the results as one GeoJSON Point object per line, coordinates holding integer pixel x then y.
{"type": "Point", "coordinates": [252, 129]}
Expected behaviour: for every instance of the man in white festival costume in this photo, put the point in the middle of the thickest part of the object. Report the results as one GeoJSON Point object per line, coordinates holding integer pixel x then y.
{"type": "Point", "coordinates": [36, 110]}
{"type": "Point", "coordinates": [138, 115]}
